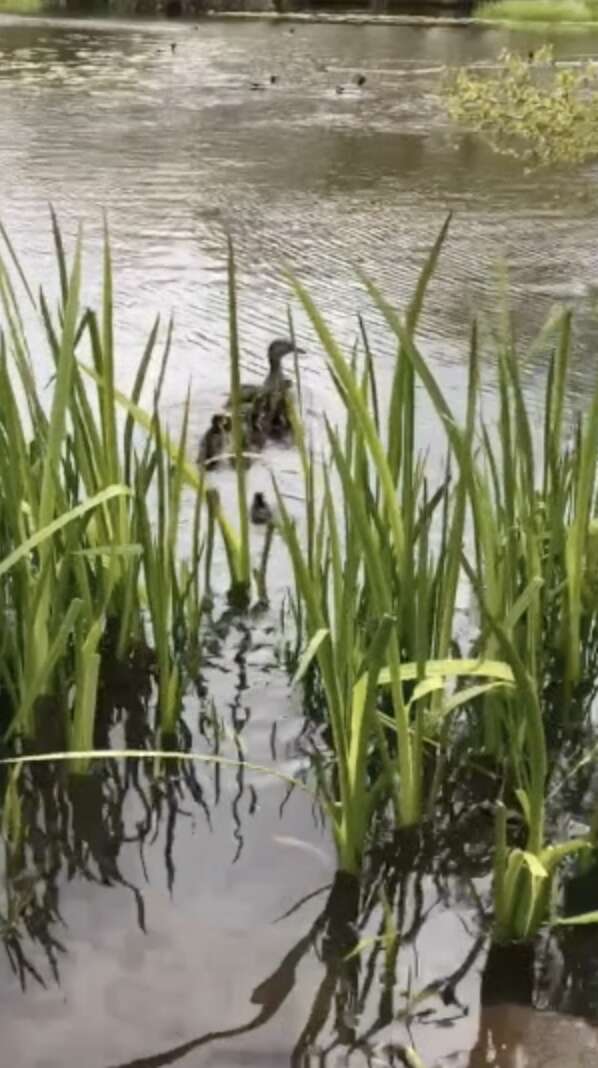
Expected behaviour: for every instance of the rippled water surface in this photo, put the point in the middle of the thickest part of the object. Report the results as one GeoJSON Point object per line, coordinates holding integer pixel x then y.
{"type": "Point", "coordinates": [178, 149]}
{"type": "Point", "coordinates": [181, 924]}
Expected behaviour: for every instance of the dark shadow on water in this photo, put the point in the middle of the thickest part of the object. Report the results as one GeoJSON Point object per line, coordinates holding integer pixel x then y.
{"type": "Point", "coordinates": [353, 975]}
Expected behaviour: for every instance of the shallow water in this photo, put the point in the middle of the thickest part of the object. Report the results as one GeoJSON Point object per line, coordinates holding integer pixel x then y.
{"type": "Point", "coordinates": [175, 906]}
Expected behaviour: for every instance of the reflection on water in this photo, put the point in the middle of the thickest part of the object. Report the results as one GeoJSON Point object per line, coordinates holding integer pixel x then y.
{"type": "Point", "coordinates": [159, 913]}
{"type": "Point", "coordinates": [189, 914]}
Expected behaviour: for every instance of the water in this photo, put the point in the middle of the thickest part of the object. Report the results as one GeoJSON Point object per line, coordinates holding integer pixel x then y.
{"type": "Point", "coordinates": [165, 914]}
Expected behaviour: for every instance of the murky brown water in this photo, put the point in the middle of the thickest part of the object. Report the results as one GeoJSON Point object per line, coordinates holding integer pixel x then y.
{"type": "Point", "coordinates": [178, 149]}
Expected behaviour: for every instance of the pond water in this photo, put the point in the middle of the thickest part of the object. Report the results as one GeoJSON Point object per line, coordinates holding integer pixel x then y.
{"type": "Point", "coordinates": [193, 918]}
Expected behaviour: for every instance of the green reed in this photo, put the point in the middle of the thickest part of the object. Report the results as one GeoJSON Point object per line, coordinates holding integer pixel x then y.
{"type": "Point", "coordinates": [515, 525]}
{"type": "Point", "coordinates": [91, 563]}
{"type": "Point", "coordinates": [88, 565]}
{"type": "Point", "coordinates": [378, 581]}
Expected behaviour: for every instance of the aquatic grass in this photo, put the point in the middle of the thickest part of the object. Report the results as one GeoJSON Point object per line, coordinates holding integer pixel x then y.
{"type": "Point", "coordinates": [153, 754]}
{"type": "Point", "coordinates": [363, 569]}
{"type": "Point", "coordinates": [512, 523]}
{"type": "Point", "coordinates": [241, 588]}
{"type": "Point", "coordinates": [192, 476]}
{"type": "Point", "coordinates": [78, 554]}
{"type": "Point", "coordinates": [526, 518]}
{"type": "Point", "coordinates": [42, 643]}
{"type": "Point", "coordinates": [159, 542]}
{"type": "Point", "coordinates": [91, 562]}
{"type": "Point", "coordinates": [384, 504]}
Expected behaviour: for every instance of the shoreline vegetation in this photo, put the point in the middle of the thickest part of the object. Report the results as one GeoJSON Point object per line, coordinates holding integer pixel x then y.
{"type": "Point", "coordinates": [447, 13]}
{"type": "Point", "coordinates": [96, 585]}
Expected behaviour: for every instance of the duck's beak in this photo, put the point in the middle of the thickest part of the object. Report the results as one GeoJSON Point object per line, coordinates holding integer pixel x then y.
{"type": "Point", "coordinates": [298, 351]}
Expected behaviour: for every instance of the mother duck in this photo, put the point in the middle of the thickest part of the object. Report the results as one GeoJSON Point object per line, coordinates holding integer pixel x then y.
{"type": "Point", "coordinates": [275, 381]}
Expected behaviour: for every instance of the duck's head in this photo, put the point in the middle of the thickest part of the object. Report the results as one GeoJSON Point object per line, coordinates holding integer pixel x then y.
{"type": "Point", "coordinates": [280, 348]}
{"type": "Point", "coordinates": [221, 422]}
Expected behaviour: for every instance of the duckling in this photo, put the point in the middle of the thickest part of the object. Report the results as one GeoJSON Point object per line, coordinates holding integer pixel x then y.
{"type": "Point", "coordinates": [255, 435]}
{"type": "Point", "coordinates": [260, 512]}
{"type": "Point", "coordinates": [279, 423]}
{"type": "Point", "coordinates": [216, 439]}
{"type": "Point", "coordinates": [173, 47]}
{"type": "Point", "coordinates": [274, 380]}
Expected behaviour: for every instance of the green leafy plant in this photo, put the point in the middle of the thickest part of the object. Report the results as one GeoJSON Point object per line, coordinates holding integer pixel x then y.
{"type": "Point", "coordinates": [538, 11]}
{"type": "Point", "coordinates": [532, 109]}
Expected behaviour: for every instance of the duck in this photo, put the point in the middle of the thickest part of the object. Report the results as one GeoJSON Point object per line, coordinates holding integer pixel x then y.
{"type": "Point", "coordinates": [260, 512]}
{"type": "Point", "coordinates": [359, 82]}
{"type": "Point", "coordinates": [275, 381]}
{"type": "Point", "coordinates": [260, 87]}
{"type": "Point", "coordinates": [216, 439]}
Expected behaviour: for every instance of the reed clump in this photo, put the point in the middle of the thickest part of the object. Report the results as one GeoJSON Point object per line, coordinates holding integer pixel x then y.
{"type": "Point", "coordinates": [512, 529]}
{"type": "Point", "coordinates": [92, 570]}
{"type": "Point", "coordinates": [89, 570]}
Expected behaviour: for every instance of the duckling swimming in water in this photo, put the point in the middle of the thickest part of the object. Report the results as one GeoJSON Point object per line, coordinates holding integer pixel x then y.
{"type": "Point", "coordinates": [260, 512]}
{"type": "Point", "coordinates": [255, 427]}
{"type": "Point", "coordinates": [277, 417]}
{"type": "Point", "coordinates": [216, 439]}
